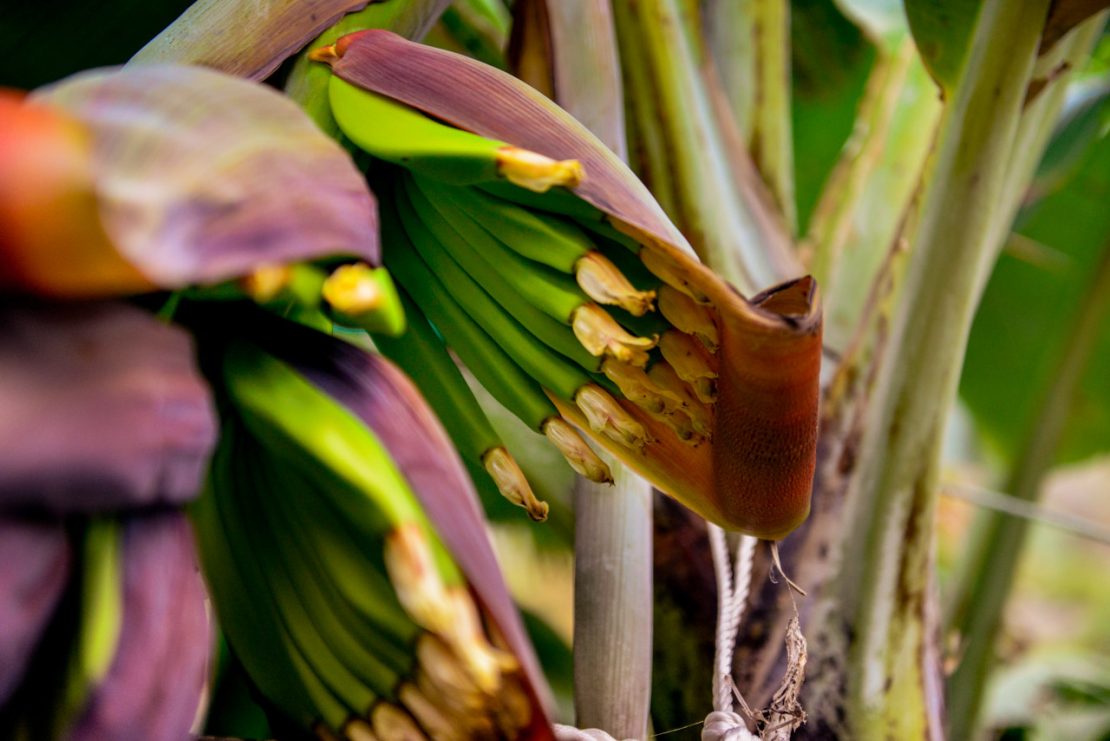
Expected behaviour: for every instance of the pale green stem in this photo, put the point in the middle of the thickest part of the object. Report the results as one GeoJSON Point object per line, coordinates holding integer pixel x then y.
{"type": "Point", "coordinates": [729, 29]}
{"type": "Point", "coordinates": [866, 198]}
{"type": "Point", "coordinates": [989, 566]}
{"type": "Point", "coordinates": [772, 136]}
{"type": "Point", "coordinates": [613, 525]}
{"type": "Point", "coordinates": [726, 226]}
{"type": "Point", "coordinates": [1038, 122]}
{"type": "Point", "coordinates": [586, 68]}
{"type": "Point", "coordinates": [648, 154]}
{"type": "Point", "coordinates": [613, 604]}
{"type": "Point", "coordinates": [883, 585]}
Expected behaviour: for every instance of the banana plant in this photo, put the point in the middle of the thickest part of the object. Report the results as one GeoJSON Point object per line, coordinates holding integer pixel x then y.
{"type": "Point", "coordinates": [674, 321]}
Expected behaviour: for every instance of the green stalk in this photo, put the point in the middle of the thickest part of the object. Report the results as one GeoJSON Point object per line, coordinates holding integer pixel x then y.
{"type": "Point", "coordinates": [613, 603]}
{"type": "Point", "coordinates": [613, 525]}
{"type": "Point", "coordinates": [772, 135]}
{"type": "Point", "coordinates": [729, 28]}
{"type": "Point", "coordinates": [883, 589]}
{"type": "Point", "coordinates": [871, 189]}
{"type": "Point", "coordinates": [586, 68]}
{"type": "Point", "coordinates": [1038, 122]}
{"type": "Point", "coordinates": [989, 564]}
{"type": "Point", "coordinates": [737, 233]}
{"type": "Point", "coordinates": [749, 42]}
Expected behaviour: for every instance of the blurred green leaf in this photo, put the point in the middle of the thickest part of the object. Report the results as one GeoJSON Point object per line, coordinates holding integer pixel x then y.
{"type": "Point", "coordinates": [831, 61]}
{"type": "Point", "coordinates": [46, 40]}
{"type": "Point", "coordinates": [1085, 119]}
{"type": "Point", "coordinates": [883, 20]}
{"type": "Point", "coordinates": [942, 30]}
{"type": "Point", "coordinates": [1030, 301]}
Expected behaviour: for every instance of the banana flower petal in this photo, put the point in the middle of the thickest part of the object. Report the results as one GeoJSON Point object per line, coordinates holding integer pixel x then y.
{"type": "Point", "coordinates": [191, 176]}
{"type": "Point", "coordinates": [154, 685]}
{"type": "Point", "coordinates": [101, 407]}
{"type": "Point", "coordinates": [757, 473]}
{"type": "Point", "coordinates": [35, 562]}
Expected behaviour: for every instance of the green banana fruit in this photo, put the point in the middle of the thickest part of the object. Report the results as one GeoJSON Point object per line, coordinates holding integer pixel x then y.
{"type": "Point", "coordinates": [255, 636]}
{"type": "Point", "coordinates": [549, 291]}
{"type": "Point", "coordinates": [506, 327]}
{"type": "Point", "coordinates": [291, 566]}
{"type": "Point", "coordinates": [396, 133]}
{"type": "Point", "coordinates": [500, 374]}
{"type": "Point", "coordinates": [302, 637]}
{"type": "Point", "coordinates": [548, 240]}
{"type": "Point", "coordinates": [541, 238]}
{"type": "Point", "coordinates": [424, 358]}
{"type": "Point", "coordinates": [365, 484]}
{"type": "Point", "coordinates": [351, 589]}
{"type": "Point", "coordinates": [443, 237]}
{"type": "Point", "coordinates": [101, 607]}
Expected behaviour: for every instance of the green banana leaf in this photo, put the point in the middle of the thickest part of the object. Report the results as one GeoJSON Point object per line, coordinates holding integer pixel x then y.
{"type": "Point", "coordinates": [1029, 303]}
{"type": "Point", "coordinates": [196, 174]}
{"type": "Point", "coordinates": [942, 30]}
{"type": "Point", "coordinates": [831, 59]}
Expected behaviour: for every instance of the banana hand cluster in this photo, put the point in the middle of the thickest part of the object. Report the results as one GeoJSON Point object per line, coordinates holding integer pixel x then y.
{"type": "Point", "coordinates": [544, 304]}
{"type": "Point", "coordinates": [338, 598]}
{"type": "Point", "coordinates": [556, 275]}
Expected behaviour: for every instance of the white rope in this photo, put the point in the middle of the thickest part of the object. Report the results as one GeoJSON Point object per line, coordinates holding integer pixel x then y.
{"type": "Point", "coordinates": [722, 659]}
{"type": "Point", "coordinates": [733, 585]}
{"type": "Point", "coordinates": [570, 733]}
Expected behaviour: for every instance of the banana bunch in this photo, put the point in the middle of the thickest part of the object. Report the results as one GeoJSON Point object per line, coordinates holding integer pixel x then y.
{"type": "Point", "coordinates": [338, 598]}
{"type": "Point", "coordinates": [126, 654]}
{"type": "Point", "coordinates": [540, 260]}
{"type": "Point", "coordinates": [543, 302]}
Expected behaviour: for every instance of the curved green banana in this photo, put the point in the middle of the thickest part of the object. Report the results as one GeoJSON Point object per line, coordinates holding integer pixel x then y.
{"type": "Point", "coordinates": [564, 202]}
{"type": "Point", "coordinates": [281, 550]}
{"type": "Point", "coordinates": [545, 239]}
{"type": "Point", "coordinates": [507, 326]}
{"type": "Point", "coordinates": [397, 133]}
{"type": "Point", "coordinates": [506, 381]}
{"type": "Point", "coordinates": [364, 484]}
{"type": "Point", "coordinates": [560, 201]}
{"type": "Point", "coordinates": [249, 545]}
{"type": "Point", "coordinates": [553, 293]}
{"type": "Point", "coordinates": [252, 631]}
{"type": "Point", "coordinates": [101, 606]}
{"type": "Point", "coordinates": [549, 369]}
{"type": "Point", "coordinates": [422, 355]}
{"type": "Point", "coordinates": [359, 594]}
{"type": "Point", "coordinates": [447, 239]}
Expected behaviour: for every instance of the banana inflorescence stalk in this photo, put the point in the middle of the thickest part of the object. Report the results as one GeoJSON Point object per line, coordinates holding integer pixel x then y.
{"type": "Point", "coordinates": [333, 589]}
